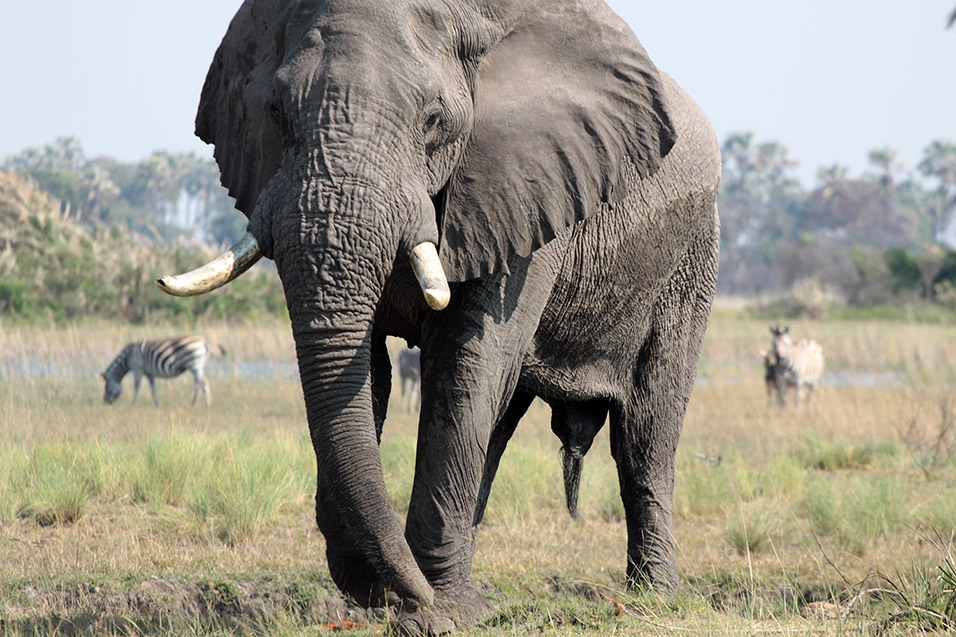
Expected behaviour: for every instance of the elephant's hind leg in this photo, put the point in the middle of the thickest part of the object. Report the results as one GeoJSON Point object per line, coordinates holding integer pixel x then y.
{"type": "Point", "coordinates": [646, 425]}
{"type": "Point", "coordinates": [500, 436]}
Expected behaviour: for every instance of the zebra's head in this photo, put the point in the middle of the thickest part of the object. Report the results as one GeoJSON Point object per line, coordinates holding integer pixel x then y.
{"type": "Point", "coordinates": [112, 391]}
{"type": "Point", "coordinates": [781, 340]}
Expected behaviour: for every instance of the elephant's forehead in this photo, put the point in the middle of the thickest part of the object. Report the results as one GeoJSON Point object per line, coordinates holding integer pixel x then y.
{"type": "Point", "coordinates": [370, 43]}
{"type": "Point", "coordinates": [398, 17]}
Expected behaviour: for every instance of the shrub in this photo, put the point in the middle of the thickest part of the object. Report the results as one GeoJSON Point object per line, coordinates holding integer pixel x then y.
{"type": "Point", "coordinates": [831, 455]}
{"type": "Point", "coordinates": [55, 489]}
{"type": "Point", "coordinates": [52, 267]}
{"type": "Point", "coordinates": [748, 533]}
{"type": "Point", "coordinates": [855, 511]}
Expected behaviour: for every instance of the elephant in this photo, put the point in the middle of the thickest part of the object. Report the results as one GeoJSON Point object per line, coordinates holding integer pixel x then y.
{"type": "Point", "coordinates": [513, 187]}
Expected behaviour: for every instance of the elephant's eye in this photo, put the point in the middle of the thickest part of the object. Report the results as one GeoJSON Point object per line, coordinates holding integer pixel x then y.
{"type": "Point", "coordinates": [275, 109]}
{"type": "Point", "coordinates": [436, 130]}
{"type": "Point", "coordinates": [434, 122]}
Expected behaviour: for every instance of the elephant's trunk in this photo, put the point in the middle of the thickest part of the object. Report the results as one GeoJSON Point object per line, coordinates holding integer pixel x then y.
{"type": "Point", "coordinates": [333, 267]}
{"type": "Point", "coordinates": [336, 381]}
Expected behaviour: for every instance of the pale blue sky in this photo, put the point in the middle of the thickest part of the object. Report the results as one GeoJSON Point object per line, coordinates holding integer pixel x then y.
{"type": "Point", "coordinates": [831, 79]}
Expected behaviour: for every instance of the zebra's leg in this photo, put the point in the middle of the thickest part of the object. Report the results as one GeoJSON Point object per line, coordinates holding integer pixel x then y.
{"type": "Point", "coordinates": [137, 379]}
{"type": "Point", "coordinates": [801, 397]}
{"type": "Point", "coordinates": [152, 388]}
{"type": "Point", "coordinates": [200, 382]}
{"type": "Point", "coordinates": [781, 392]}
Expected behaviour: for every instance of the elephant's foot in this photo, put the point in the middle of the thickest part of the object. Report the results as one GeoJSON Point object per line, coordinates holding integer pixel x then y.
{"type": "Point", "coordinates": [355, 577]}
{"type": "Point", "coordinates": [653, 568]}
{"type": "Point", "coordinates": [451, 611]}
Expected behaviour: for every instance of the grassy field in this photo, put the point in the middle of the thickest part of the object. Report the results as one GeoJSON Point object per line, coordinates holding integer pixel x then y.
{"type": "Point", "coordinates": [136, 519]}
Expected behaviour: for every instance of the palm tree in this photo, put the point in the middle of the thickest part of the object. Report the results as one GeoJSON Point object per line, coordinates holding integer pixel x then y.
{"type": "Point", "coordinates": [99, 186]}
{"type": "Point", "coordinates": [887, 161]}
{"type": "Point", "coordinates": [200, 179]}
{"type": "Point", "coordinates": [939, 163]}
{"type": "Point", "coordinates": [70, 152]}
{"type": "Point", "coordinates": [828, 175]}
{"type": "Point", "coordinates": [158, 185]}
{"type": "Point", "coordinates": [737, 152]}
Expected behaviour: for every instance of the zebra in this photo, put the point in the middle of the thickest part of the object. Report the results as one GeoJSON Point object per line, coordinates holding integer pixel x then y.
{"type": "Point", "coordinates": [410, 373]}
{"type": "Point", "coordinates": [166, 358]}
{"type": "Point", "coordinates": [793, 364]}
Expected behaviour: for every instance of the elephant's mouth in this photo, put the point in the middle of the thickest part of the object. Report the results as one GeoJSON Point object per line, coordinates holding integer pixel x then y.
{"type": "Point", "coordinates": [439, 201]}
{"type": "Point", "coordinates": [246, 252]}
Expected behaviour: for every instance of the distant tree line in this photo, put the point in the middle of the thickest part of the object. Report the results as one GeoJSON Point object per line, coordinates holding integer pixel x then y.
{"type": "Point", "coordinates": [872, 239]}
{"type": "Point", "coordinates": [167, 195]}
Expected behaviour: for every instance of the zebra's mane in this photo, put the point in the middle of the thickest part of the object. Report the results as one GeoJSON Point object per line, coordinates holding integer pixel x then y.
{"type": "Point", "coordinates": [120, 365]}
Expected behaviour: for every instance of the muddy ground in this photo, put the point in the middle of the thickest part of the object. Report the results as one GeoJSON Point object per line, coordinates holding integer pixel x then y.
{"type": "Point", "coordinates": [172, 605]}
{"type": "Point", "coordinates": [169, 605]}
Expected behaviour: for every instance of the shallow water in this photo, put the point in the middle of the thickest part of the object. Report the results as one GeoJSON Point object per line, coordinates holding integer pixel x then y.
{"type": "Point", "coordinates": [835, 378]}
{"type": "Point", "coordinates": [28, 367]}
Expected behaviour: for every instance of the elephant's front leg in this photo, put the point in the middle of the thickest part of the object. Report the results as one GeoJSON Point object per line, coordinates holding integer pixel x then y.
{"type": "Point", "coordinates": [471, 362]}
{"type": "Point", "coordinates": [460, 405]}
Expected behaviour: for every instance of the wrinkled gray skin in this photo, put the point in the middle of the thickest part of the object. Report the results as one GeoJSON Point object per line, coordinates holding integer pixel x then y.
{"type": "Point", "coordinates": [571, 190]}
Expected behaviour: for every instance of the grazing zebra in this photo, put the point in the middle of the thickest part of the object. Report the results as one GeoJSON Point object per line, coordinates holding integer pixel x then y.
{"type": "Point", "coordinates": [793, 364]}
{"type": "Point", "coordinates": [165, 358]}
{"type": "Point", "coordinates": [410, 373]}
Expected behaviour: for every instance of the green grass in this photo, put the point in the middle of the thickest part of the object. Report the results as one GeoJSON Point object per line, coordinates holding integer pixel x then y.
{"type": "Point", "coordinates": [213, 508]}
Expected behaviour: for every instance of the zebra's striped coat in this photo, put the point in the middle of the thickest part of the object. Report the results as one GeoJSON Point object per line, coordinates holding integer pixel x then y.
{"type": "Point", "coordinates": [166, 358]}
{"type": "Point", "coordinates": [790, 363]}
{"type": "Point", "coordinates": [409, 372]}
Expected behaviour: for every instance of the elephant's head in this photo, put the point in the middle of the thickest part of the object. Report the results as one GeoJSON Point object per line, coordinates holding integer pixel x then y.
{"type": "Point", "coordinates": [359, 134]}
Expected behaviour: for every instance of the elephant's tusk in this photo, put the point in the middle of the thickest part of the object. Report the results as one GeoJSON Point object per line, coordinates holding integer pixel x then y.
{"type": "Point", "coordinates": [217, 272]}
{"type": "Point", "coordinates": [430, 275]}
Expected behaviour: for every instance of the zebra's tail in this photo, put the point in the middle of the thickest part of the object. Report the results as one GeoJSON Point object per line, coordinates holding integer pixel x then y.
{"type": "Point", "coordinates": [216, 352]}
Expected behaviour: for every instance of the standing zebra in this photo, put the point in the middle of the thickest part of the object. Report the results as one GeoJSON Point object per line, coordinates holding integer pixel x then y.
{"type": "Point", "coordinates": [793, 364]}
{"type": "Point", "coordinates": [165, 358]}
{"type": "Point", "coordinates": [410, 372]}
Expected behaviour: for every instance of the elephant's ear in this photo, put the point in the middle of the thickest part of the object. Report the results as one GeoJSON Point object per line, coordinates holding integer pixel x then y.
{"type": "Point", "coordinates": [561, 102]}
{"type": "Point", "coordinates": [236, 98]}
